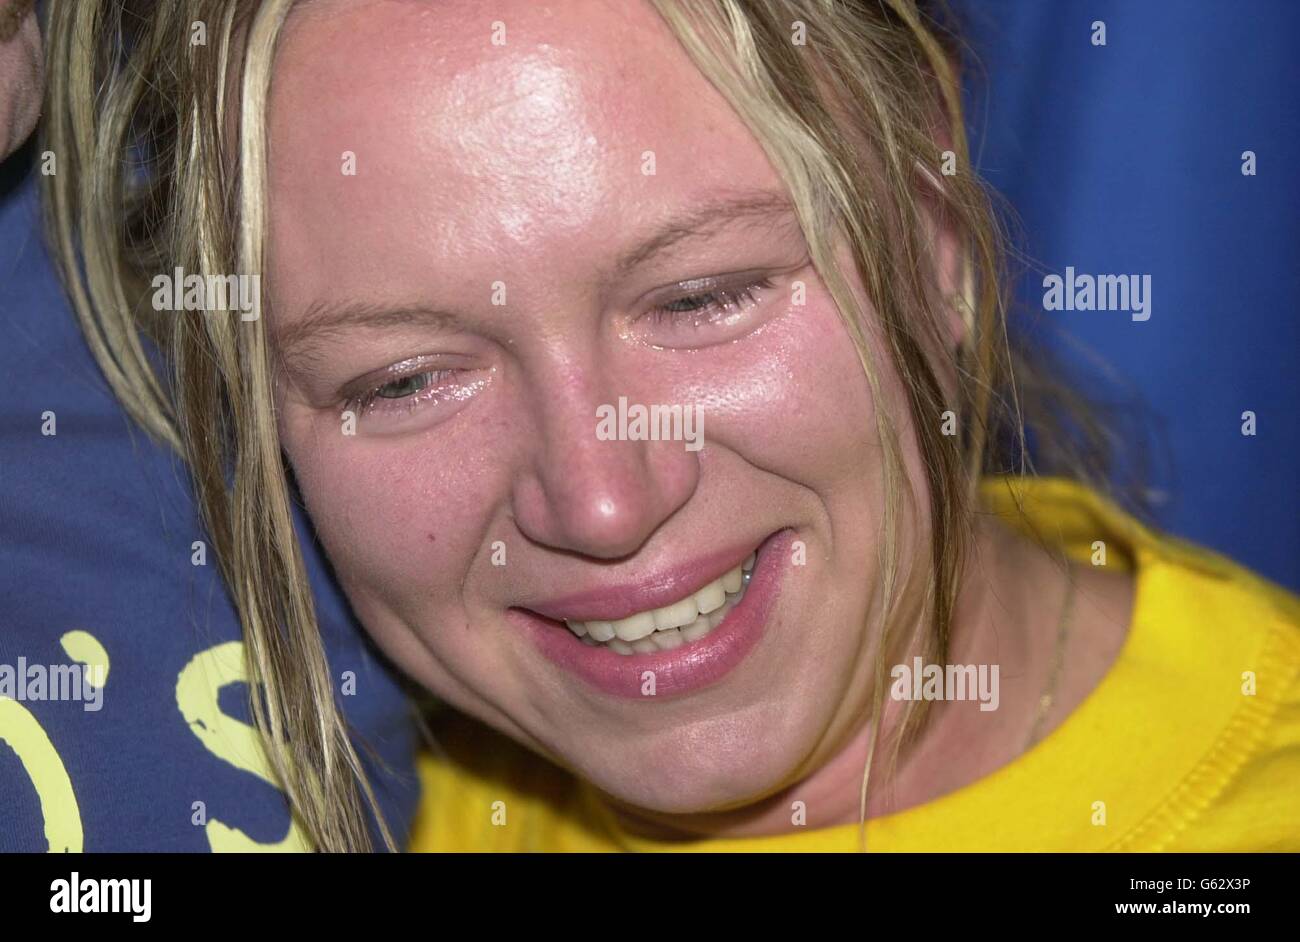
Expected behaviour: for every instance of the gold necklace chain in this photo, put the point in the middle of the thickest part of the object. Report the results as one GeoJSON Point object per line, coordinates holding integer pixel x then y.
{"type": "Point", "coordinates": [1048, 696]}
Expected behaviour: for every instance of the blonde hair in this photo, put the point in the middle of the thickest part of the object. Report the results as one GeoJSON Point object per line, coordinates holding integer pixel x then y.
{"type": "Point", "coordinates": [159, 169]}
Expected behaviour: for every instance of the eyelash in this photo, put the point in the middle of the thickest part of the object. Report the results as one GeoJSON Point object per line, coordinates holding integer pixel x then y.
{"type": "Point", "coordinates": [719, 301]}
{"type": "Point", "coordinates": [362, 403]}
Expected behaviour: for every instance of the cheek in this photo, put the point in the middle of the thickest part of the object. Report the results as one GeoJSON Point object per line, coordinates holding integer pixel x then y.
{"type": "Point", "coordinates": [402, 519]}
{"type": "Point", "coordinates": [793, 401]}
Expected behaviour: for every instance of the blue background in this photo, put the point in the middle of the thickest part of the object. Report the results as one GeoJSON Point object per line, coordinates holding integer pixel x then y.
{"type": "Point", "coordinates": [1126, 159]}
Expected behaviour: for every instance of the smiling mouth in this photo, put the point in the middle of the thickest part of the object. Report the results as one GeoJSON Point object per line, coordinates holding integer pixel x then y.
{"type": "Point", "coordinates": [681, 622]}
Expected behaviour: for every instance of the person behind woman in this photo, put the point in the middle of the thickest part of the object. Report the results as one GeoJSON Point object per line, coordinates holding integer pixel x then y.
{"type": "Point", "coordinates": [823, 604]}
{"type": "Point", "coordinates": [120, 651]}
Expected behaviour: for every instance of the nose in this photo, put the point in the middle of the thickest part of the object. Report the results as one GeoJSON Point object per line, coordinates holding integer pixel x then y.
{"type": "Point", "coordinates": [602, 498]}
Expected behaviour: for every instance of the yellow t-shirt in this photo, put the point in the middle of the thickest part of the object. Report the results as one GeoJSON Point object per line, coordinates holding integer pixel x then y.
{"type": "Point", "coordinates": [1173, 742]}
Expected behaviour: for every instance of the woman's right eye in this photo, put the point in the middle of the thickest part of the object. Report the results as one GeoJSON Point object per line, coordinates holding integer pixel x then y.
{"type": "Point", "coordinates": [405, 394]}
{"type": "Point", "coordinates": [406, 386]}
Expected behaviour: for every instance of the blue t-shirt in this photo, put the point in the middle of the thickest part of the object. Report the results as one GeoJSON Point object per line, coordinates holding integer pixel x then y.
{"type": "Point", "coordinates": [124, 723]}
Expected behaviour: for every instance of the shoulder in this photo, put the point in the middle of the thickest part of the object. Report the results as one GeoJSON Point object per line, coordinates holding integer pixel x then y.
{"type": "Point", "coordinates": [1216, 596]}
{"type": "Point", "coordinates": [1175, 582]}
{"type": "Point", "coordinates": [1195, 728]}
{"type": "Point", "coordinates": [1231, 638]}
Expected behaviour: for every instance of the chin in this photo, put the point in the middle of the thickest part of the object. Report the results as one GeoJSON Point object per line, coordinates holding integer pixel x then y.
{"type": "Point", "coordinates": [706, 767]}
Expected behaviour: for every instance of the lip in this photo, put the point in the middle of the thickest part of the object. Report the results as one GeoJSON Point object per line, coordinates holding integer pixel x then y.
{"type": "Point", "coordinates": [665, 588]}
{"type": "Point", "coordinates": [684, 669]}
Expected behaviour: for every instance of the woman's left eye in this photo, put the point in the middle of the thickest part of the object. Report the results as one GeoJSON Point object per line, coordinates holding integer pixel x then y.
{"type": "Point", "coordinates": [705, 307]}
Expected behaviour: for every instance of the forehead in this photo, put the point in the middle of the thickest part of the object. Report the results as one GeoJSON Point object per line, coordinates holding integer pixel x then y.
{"type": "Point", "coordinates": [511, 130]}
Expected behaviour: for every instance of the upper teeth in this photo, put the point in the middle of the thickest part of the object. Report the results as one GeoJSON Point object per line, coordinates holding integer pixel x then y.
{"type": "Point", "coordinates": [684, 614]}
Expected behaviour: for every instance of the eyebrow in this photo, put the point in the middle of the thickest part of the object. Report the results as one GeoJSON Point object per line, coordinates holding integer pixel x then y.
{"type": "Point", "coordinates": [757, 206]}
{"type": "Point", "coordinates": [326, 318]}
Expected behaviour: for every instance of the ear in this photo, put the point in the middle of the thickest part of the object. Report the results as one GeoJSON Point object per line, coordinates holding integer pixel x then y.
{"type": "Point", "coordinates": [946, 252]}
{"type": "Point", "coordinates": [942, 231]}
{"type": "Point", "coordinates": [943, 249]}
{"type": "Point", "coordinates": [946, 234]}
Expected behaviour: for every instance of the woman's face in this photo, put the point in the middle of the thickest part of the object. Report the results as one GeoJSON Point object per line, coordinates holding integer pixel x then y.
{"type": "Point", "coordinates": [504, 222]}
